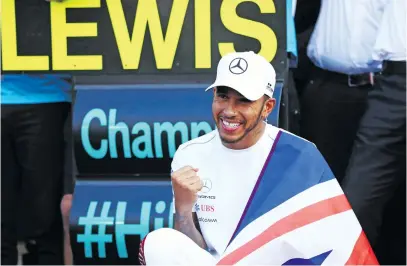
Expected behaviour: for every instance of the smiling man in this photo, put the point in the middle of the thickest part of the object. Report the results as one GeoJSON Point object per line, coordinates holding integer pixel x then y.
{"type": "Point", "coordinates": [250, 192]}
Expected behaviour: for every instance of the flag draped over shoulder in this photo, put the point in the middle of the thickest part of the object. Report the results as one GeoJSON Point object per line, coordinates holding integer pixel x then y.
{"type": "Point", "coordinates": [297, 214]}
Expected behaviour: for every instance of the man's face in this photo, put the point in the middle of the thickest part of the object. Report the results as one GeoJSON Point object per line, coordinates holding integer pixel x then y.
{"type": "Point", "coordinates": [238, 119]}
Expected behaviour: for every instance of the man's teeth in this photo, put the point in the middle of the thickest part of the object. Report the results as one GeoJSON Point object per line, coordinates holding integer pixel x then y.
{"type": "Point", "coordinates": [231, 125]}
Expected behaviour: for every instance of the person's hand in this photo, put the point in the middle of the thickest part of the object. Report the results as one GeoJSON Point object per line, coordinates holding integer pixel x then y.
{"type": "Point", "coordinates": [186, 183]}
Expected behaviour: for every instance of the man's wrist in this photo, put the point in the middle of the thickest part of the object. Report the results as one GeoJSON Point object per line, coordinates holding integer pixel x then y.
{"type": "Point", "coordinates": [183, 210]}
{"type": "Point", "coordinates": [183, 216]}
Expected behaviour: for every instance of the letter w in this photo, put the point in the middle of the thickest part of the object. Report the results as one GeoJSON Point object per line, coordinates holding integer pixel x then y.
{"type": "Point", "coordinates": [147, 14]}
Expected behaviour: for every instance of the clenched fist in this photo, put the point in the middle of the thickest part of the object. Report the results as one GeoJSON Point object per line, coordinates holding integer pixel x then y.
{"type": "Point", "coordinates": [185, 183]}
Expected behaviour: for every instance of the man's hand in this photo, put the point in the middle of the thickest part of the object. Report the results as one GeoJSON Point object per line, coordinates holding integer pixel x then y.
{"type": "Point", "coordinates": [186, 183]}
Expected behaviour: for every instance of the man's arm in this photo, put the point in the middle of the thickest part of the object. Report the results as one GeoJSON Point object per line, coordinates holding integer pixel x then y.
{"type": "Point", "coordinates": [186, 184]}
{"type": "Point", "coordinates": [188, 224]}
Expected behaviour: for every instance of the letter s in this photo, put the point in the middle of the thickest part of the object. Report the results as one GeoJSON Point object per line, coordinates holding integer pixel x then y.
{"type": "Point", "coordinates": [254, 29]}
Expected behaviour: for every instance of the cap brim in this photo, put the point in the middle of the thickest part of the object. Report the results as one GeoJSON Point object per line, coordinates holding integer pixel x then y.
{"type": "Point", "coordinates": [211, 87]}
{"type": "Point", "coordinates": [246, 96]}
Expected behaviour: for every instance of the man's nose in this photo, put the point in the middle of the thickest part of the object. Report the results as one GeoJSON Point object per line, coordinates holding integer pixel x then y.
{"type": "Point", "coordinates": [229, 110]}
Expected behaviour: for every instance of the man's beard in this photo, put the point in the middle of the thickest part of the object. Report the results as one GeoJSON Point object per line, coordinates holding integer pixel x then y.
{"type": "Point", "coordinates": [246, 132]}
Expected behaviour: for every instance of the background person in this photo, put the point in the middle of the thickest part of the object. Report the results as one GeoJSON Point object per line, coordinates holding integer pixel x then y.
{"type": "Point", "coordinates": [34, 110]}
{"type": "Point", "coordinates": [334, 100]}
{"type": "Point", "coordinates": [375, 182]}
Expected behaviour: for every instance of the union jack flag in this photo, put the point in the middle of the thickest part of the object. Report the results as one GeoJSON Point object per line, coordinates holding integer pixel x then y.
{"type": "Point", "coordinates": [297, 214]}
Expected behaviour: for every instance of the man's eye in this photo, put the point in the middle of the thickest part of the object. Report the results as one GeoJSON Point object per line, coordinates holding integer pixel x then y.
{"type": "Point", "coordinates": [222, 96]}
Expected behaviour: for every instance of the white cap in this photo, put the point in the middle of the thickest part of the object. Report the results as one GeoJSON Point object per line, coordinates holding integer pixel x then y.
{"type": "Point", "coordinates": [248, 73]}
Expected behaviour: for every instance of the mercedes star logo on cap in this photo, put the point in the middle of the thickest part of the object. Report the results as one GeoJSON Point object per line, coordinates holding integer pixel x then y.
{"type": "Point", "coordinates": [238, 66]}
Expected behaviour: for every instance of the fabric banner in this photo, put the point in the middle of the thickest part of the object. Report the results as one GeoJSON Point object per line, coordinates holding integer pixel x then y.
{"type": "Point", "coordinates": [144, 37]}
{"type": "Point", "coordinates": [297, 214]}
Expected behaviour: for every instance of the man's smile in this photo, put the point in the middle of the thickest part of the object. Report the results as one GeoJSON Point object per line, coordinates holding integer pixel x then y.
{"type": "Point", "coordinates": [230, 126]}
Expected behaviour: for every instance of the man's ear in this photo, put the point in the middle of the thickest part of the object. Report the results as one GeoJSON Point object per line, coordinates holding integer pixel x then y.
{"type": "Point", "coordinates": [269, 106]}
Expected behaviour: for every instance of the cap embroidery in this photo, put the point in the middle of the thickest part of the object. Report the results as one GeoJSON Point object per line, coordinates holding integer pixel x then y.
{"type": "Point", "coordinates": [270, 87]}
{"type": "Point", "coordinates": [238, 66]}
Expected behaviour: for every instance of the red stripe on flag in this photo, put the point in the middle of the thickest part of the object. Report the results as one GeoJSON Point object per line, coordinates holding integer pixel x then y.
{"type": "Point", "coordinates": [362, 253]}
{"type": "Point", "coordinates": [303, 217]}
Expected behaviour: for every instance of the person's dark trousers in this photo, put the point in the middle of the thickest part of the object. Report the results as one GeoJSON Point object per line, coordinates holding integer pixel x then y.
{"type": "Point", "coordinates": [378, 164]}
{"type": "Point", "coordinates": [32, 166]}
{"type": "Point", "coordinates": [390, 246]}
{"type": "Point", "coordinates": [293, 123]}
{"type": "Point", "coordinates": [70, 169]}
{"type": "Point", "coordinates": [332, 105]}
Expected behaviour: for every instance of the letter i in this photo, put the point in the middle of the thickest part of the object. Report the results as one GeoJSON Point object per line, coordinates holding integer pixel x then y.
{"type": "Point", "coordinates": [159, 208]}
{"type": "Point", "coordinates": [202, 34]}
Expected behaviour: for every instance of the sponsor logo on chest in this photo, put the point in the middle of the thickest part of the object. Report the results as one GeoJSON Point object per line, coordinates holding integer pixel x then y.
{"type": "Point", "coordinates": [204, 208]}
{"type": "Point", "coordinates": [206, 197]}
